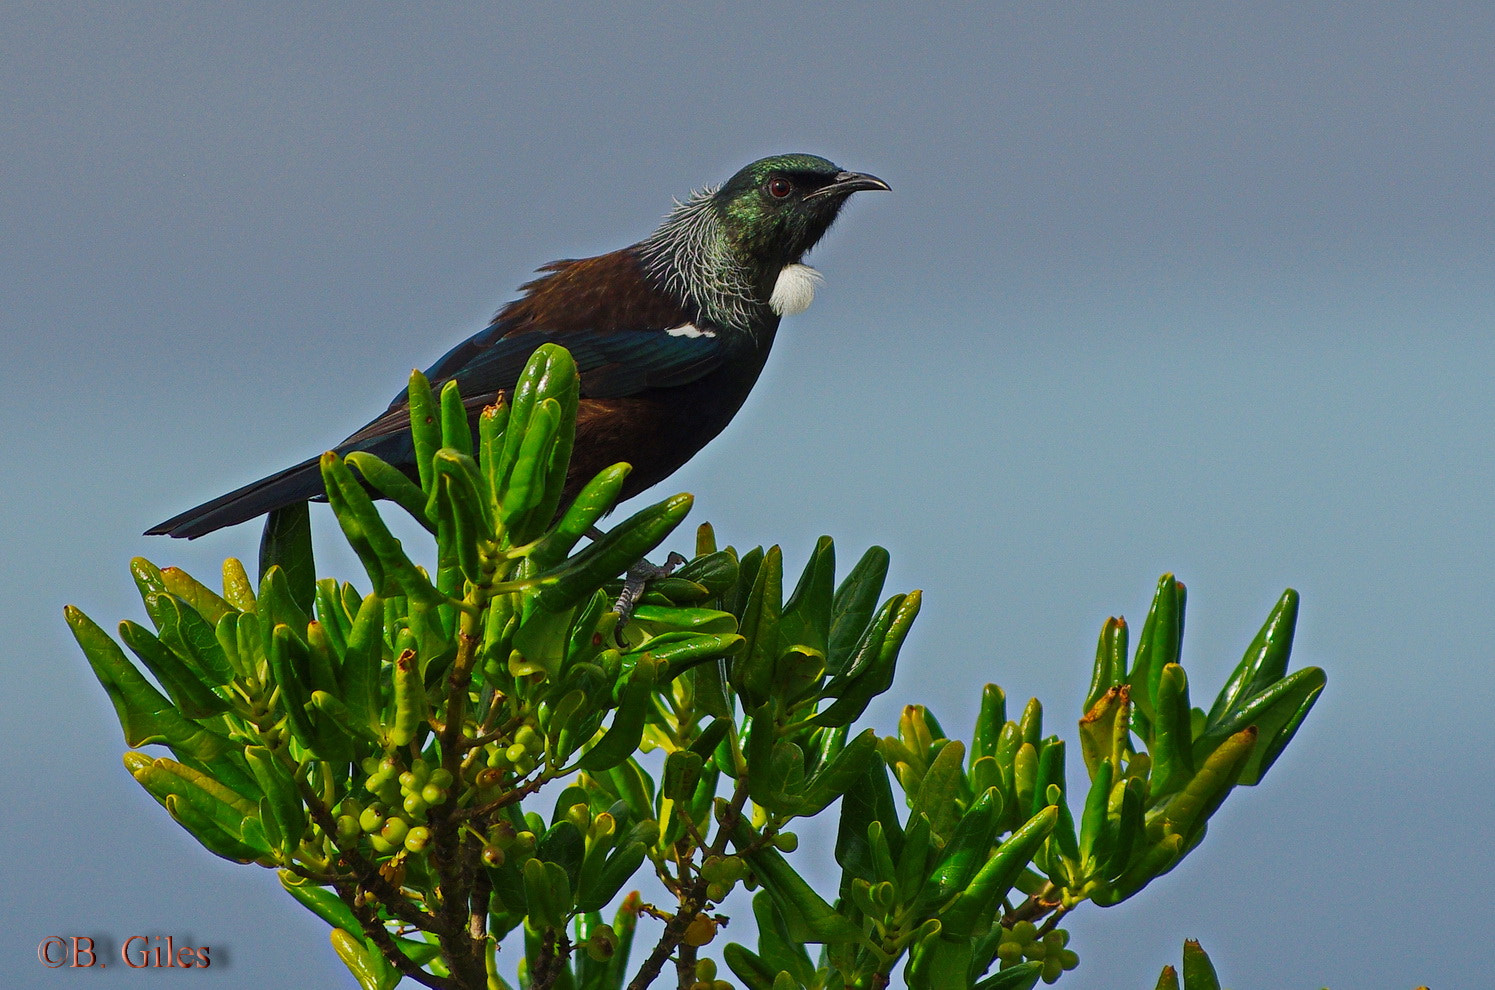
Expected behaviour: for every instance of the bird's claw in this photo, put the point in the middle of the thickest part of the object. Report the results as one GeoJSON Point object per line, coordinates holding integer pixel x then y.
{"type": "Point", "coordinates": [637, 579]}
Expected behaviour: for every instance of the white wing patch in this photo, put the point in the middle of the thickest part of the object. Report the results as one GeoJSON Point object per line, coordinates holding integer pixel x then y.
{"type": "Point", "coordinates": [689, 330]}
{"type": "Point", "coordinates": [794, 290]}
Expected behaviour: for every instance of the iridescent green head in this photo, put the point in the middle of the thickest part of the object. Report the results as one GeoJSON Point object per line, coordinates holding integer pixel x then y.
{"type": "Point", "coordinates": [777, 208]}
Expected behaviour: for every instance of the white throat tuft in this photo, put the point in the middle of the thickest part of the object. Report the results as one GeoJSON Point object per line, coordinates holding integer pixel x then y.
{"type": "Point", "coordinates": [794, 290]}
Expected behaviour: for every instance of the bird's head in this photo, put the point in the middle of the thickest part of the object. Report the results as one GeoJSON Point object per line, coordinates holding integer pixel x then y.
{"type": "Point", "coordinates": [777, 208]}
{"type": "Point", "coordinates": [725, 249]}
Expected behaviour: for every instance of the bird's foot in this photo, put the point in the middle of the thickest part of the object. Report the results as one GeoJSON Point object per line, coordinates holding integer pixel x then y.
{"type": "Point", "coordinates": [637, 580]}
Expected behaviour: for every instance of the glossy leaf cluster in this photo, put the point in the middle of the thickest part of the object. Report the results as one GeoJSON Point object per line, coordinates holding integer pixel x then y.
{"type": "Point", "coordinates": [454, 753]}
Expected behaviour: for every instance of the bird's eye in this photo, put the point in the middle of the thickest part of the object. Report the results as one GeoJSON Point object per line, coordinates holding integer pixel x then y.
{"type": "Point", "coordinates": [779, 187]}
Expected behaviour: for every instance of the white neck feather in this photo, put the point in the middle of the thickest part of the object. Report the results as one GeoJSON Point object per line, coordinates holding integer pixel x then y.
{"type": "Point", "coordinates": [794, 290]}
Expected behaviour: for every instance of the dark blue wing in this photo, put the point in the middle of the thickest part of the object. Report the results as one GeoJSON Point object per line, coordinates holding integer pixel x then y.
{"type": "Point", "coordinates": [613, 364]}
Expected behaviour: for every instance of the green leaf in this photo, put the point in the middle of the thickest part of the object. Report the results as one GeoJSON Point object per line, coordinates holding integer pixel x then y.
{"type": "Point", "coordinates": [595, 500]}
{"type": "Point", "coordinates": [524, 489]}
{"type": "Point", "coordinates": [456, 434]}
{"type": "Point", "coordinates": [939, 962]}
{"type": "Point", "coordinates": [410, 706]}
{"type": "Point", "coordinates": [335, 711]}
{"type": "Point", "coordinates": [318, 900]}
{"type": "Point", "coordinates": [752, 673]}
{"type": "Point", "coordinates": [536, 449]}
{"type": "Point", "coordinates": [619, 869]}
{"type": "Point", "coordinates": [1159, 644]}
{"type": "Point", "coordinates": [716, 571]}
{"type": "Point", "coordinates": [975, 907]}
{"type": "Point", "coordinates": [1094, 820]}
{"type": "Point", "coordinates": [280, 791]}
{"type": "Point", "coordinates": [1172, 743]}
{"type": "Point", "coordinates": [190, 637]}
{"type": "Point", "coordinates": [1104, 731]}
{"type": "Point", "coordinates": [425, 425]}
{"type": "Point", "coordinates": [288, 663]}
{"type": "Point", "coordinates": [1191, 808]}
{"type": "Point", "coordinates": [622, 737]}
{"type": "Point", "coordinates": [633, 786]}
{"type": "Point", "coordinates": [362, 667]}
{"type": "Point", "coordinates": [1264, 663]}
{"type": "Point", "coordinates": [383, 557]}
{"type": "Point", "coordinates": [147, 577]}
{"type": "Point", "coordinates": [213, 837]}
{"type": "Point", "coordinates": [837, 777]}
{"type": "Point", "coordinates": [286, 543]}
{"type": "Point", "coordinates": [366, 963]}
{"type": "Point", "coordinates": [1125, 827]}
{"type": "Point", "coordinates": [869, 671]}
{"type": "Point", "coordinates": [194, 595]}
{"type": "Point", "coordinates": [145, 715]}
{"type": "Point", "coordinates": [912, 868]}
{"type": "Point", "coordinates": [562, 845]}
{"type": "Point", "coordinates": [940, 792]}
{"type": "Point", "coordinates": [964, 853]}
{"type": "Point", "coordinates": [806, 618]}
{"type": "Point", "coordinates": [663, 620]}
{"type": "Point", "coordinates": [1199, 972]}
{"type": "Point", "coordinates": [238, 590]}
{"type": "Point", "coordinates": [547, 894]}
{"type": "Point", "coordinates": [186, 689]}
{"type": "Point", "coordinates": [989, 722]}
{"type": "Point", "coordinates": [868, 802]}
{"type": "Point", "coordinates": [393, 484]}
{"type": "Point", "coordinates": [682, 651]}
{"type": "Point", "coordinates": [1276, 712]}
{"type": "Point", "coordinates": [808, 917]}
{"type": "Point", "coordinates": [1277, 730]}
{"type": "Point", "coordinates": [1023, 976]}
{"type": "Point", "coordinates": [1110, 661]}
{"type": "Point", "coordinates": [620, 548]}
{"type": "Point", "coordinates": [853, 606]}
{"type": "Point", "coordinates": [214, 814]}
{"type": "Point", "coordinates": [751, 969]}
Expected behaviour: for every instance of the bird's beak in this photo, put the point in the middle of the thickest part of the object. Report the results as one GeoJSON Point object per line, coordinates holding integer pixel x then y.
{"type": "Point", "coordinates": [846, 183]}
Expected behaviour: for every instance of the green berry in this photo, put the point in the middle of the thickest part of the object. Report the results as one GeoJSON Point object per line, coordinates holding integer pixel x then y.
{"type": "Point", "coordinates": [395, 830]}
{"type": "Point", "coordinates": [417, 838]}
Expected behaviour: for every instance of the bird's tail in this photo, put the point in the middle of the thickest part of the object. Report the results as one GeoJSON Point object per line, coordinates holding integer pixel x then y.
{"type": "Point", "coordinates": [299, 483]}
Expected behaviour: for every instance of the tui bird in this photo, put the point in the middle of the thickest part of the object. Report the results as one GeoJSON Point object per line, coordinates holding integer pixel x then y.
{"type": "Point", "coordinates": [669, 336]}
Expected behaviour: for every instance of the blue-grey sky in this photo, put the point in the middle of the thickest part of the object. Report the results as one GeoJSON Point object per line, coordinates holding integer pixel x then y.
{"type": "Point", "coordinates": [1203, 288]}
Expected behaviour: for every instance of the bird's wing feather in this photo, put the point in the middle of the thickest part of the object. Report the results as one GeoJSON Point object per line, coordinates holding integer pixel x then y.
{"type": "Point", "coordinates": [612, 364]}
